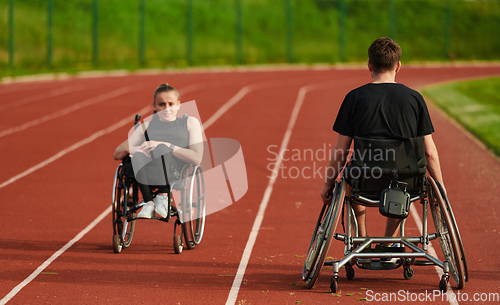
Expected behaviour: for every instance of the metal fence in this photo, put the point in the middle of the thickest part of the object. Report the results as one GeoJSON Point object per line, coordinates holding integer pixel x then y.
{"type": "Point", "coordinates": [83, 34]}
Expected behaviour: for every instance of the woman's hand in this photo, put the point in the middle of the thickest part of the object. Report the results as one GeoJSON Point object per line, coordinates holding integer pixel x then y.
{"type": "Point", "coordinates": [148, 146]}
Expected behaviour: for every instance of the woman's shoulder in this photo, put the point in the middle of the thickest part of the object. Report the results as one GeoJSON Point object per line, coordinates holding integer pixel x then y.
{"type": "Point", "coordinates": [192, 122]}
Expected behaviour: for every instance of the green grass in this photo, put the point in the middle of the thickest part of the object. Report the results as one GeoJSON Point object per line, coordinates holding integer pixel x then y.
{"type": "Point", "coordinates": [474, 104]}
{"type": "Point", "coordinates": [317, 34]}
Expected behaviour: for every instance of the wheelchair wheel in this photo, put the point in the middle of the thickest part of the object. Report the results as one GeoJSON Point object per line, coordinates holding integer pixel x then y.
{"type": "Point", "coordinates": [322, 235]}
{"type": "Point", "coordinates": [448, 233]}
{"type": "Point", "coordinates": [197, 204]}
{"type": "Point", "coordinates": [454, 221]}
{"type": "Point", "coordinates": [193, 206]}
{"type": "Point", "coordinates": [124, 197]}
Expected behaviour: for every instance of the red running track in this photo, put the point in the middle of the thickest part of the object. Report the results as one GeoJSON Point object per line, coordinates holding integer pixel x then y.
{"type": "Point", "coordinates": [52, 189]}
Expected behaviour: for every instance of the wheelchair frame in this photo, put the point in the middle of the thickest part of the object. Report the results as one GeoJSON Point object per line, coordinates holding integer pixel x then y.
{"type": "Point", "coordinates": [433, 196]}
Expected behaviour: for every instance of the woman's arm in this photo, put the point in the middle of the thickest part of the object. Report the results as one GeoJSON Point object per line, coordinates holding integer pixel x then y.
{"type": "Point", "coordinates": [194, 154]}
{"type": "Point", "coordinates": [131, 145]}
{"type": "Point", "coordinates": [121, 151]}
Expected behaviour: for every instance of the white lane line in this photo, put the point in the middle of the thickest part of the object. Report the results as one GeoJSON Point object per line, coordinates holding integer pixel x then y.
{"type": "Point", "coordinates": [41, 96]}
{"type": "Point", "coordinates": [451, 296]}
{"type": "Point", "coordinates": [75, 107]}
{"type": "Point", "coordinates": [233, 294]}
{"type": "Point", "coordinates": [235, 99]}
{"type": "Point", "coordinates": [244, 91]}
{"type": "Point", "coordinates": [73, 147]}
{"type": "Point", "coordinates": [54, 256]}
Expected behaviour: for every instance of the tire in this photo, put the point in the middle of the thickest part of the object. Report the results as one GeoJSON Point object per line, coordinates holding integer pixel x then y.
{"type": "Point", "coordinates": [454, 221]}
{"type": "Point", "coordinates": [334, 284]}
{"type": "Point", "coordinates": [322, 235]}
{"type": "Point", "coordinates": [447, 234]}
{"type": "Point", "coordinates": [443, 285]}
{"type": "Point", "coordinates": [198, 205]}
{"type": "Point", "coordinates": [193, 206]}
{"type": "Point", "coordinates": [177, 244]}
{"type": "Point", "coordinates": [117, 244]}
{"type": "Point", "coordinates": [349, 272]}
{"type": "Point", "coordinates": [124, 196]}
{"type": "Point", "coordinates": [408, 273]}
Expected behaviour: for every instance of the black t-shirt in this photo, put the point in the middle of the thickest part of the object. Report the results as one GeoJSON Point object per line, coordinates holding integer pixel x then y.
{"type": "Point", "coordinates": [386, 110]}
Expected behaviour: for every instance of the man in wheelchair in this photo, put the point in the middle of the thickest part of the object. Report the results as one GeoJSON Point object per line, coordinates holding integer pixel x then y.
{"type": "Point", "coordinates": [160, 147]}
{"type": "Point", "coordinates": [382, 111]}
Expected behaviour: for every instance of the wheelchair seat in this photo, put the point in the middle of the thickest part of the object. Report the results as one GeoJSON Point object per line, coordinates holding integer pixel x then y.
{"type": "Point", "coordinates": [376, 163]}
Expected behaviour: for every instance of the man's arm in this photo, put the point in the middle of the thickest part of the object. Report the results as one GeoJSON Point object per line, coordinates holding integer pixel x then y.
{"type": "Point", "coordinates": [337, 162]}
{"type": "Point", "coordinates": [433, 165]}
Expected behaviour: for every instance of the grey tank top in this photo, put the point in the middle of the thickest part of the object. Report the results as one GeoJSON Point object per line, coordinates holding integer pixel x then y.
{"type": "Point", "coordinates": [175, 132]}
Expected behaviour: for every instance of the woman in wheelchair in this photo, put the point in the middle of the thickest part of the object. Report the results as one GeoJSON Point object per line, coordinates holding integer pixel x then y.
{"type": "Point", "coordinates": [159, 149]}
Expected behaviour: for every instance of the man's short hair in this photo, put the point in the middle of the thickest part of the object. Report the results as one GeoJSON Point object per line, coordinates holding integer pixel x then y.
{"type": "Point", "coordinates": [384, 54]}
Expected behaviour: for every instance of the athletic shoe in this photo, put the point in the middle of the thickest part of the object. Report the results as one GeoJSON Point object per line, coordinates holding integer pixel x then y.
{"type": "Point", "coordinates": [390, 260]}
{"type": "Point", "coordinates": [161, 205]}
{"type": "Point", "coordinates": [147, 211]}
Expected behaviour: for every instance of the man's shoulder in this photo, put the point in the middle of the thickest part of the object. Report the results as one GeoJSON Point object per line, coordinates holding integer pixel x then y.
{"type": "Point", "coordinates": [404, 87]}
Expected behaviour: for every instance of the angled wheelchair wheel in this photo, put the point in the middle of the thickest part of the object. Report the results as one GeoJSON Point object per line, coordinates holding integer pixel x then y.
{"type": "Point", "coordinates": [454, 221]}
{"type": "Point", "coordinates": [322, 236]}
{"type": "Point", "coordinates": [124, 197]}
{"type": "Point", "coordinates": [448, 233]}
{"type": "Point", "coordinates": [197, 205]}
{"type": "Point", "coordinates": [193, 205]}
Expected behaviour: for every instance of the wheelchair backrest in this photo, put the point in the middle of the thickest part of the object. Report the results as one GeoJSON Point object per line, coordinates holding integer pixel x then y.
{"type": "Point", "coordinates": [372, 156]}
{"type": "Point", "coordinates": [387, 153]}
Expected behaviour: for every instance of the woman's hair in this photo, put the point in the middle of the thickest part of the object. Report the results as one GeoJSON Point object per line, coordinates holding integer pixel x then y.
{"type": "Point", "coordinates": [384, 54]}
{"type": "Point", "coordinates": [165, 88]}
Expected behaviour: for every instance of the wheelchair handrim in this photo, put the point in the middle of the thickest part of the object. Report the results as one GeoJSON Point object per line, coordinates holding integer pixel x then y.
{"type": "Point", "coordinates": [455, 226]}
{"type": "Point", "coordinates": [447, 240]}
{"type": "Point", "coordinates": [199, 222]}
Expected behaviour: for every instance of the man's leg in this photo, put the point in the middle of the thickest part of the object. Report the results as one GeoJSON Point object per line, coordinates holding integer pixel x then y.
{"type": "Point", "coordinates": [360, 212]}
{"type": "Point", "coordinates": [392, 227]}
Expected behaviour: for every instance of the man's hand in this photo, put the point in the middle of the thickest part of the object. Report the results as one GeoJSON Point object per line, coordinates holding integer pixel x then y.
{"type": "Point", "coordinates": [326, 192]}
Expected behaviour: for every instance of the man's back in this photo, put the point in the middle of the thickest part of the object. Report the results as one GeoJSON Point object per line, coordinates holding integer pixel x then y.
{"type": "Point", "coordinates": [383, 110]}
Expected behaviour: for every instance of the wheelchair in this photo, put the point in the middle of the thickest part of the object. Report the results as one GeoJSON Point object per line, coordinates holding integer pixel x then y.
{"type": "Point", "coordinates": [189, 216]}
{"type": "Point", "coordinates": [367, 192]}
